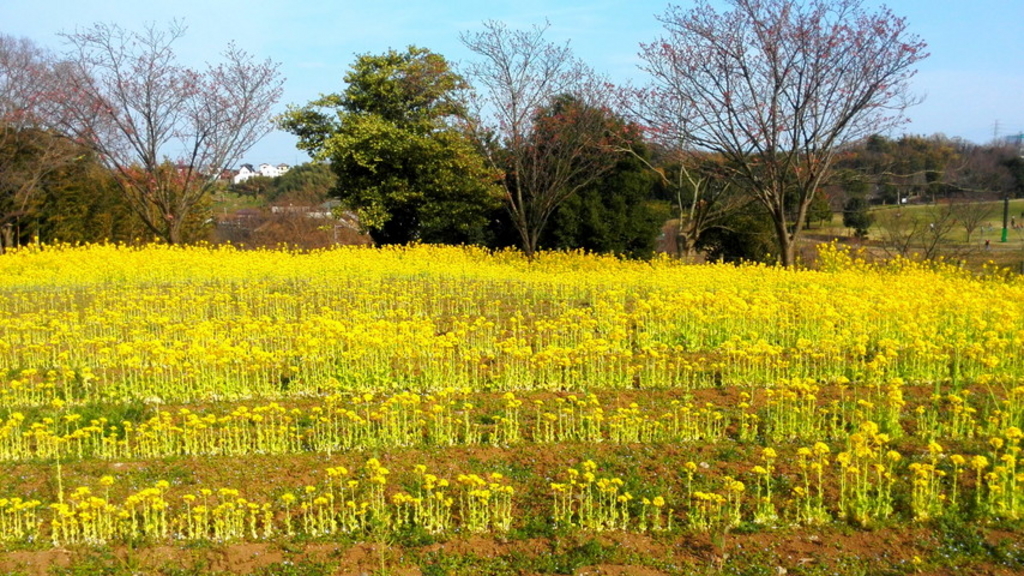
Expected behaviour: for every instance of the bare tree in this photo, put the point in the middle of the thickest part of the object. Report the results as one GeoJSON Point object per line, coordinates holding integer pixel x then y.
{"type": "Point", "coordinates": [775, 86]}
{"type": "Point", "coordinates": [899, 232]}
{"type": "Point", "coordinates": [969, 213]}
{"type": "Point", "coordinates": [936, 233]}
{"type": "Point", "coordinates": [920, 232]}
{"type": "Point", "coordinates": [524, 76]}
{"type": "Point", "coordinates": [28, 151]}
{"type": "Point", "coordinates": [166, 129]}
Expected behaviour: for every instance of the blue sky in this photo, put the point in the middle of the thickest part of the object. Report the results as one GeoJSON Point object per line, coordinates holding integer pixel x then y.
{"type": "Point", "coordinates": [973, 79]}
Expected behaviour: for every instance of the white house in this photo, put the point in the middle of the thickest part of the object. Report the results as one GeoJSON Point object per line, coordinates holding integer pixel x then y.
{"type": "Point", "coordinates": [269, 170]}
{"type": "Point", "coordinates": [243, 174]}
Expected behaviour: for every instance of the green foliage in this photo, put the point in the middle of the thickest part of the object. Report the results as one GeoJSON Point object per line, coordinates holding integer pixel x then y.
{"type": "Point", "coordinates": [311, 183]}
{"type": "Point", "coordinates": [856, 216]}
{"type": "Point", "coordinates": [1015, 166]}
{"type": "Point", "coordinates": [304, 568]}
{"type": "Point", "coordinates": [93, 562]}
{"type": "Point", "coordinates": [80, 203]}
{"type": "Point", "coordinates": [962, 542]}
{"type": "Point", "coordinates": [912, 166]}
{"type": "Point", "coordinates": [257, 186]}
{"type": "Point", "coordinates": [400, 159]}
{"type": "Point", "coordinates": [613, 214]}
{"type": "Point", "coordinates": [744, 235]}
{"type": "Point", "coordinates": [564, 558]}
{"type": "Point", "coordinates": [54, 190]}
{"type": "Point", "coordinates": [819, 212]}
{"type": "Point", "coordinates": [609, 214]}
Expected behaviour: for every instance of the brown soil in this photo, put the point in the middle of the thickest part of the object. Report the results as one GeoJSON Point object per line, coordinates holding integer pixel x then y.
{"type": "Point", "coordinates": [788, 552]}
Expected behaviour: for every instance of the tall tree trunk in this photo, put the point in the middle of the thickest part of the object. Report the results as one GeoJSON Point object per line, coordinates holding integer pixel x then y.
{"type": "Point", "coordinates": [787, 246]}
{"type": "Point", "coordinates": [174, 231]}
{"type": "Point", "coordinates": [6, 237]}
{"type": "Point", "coordinates": [686, 245]}
{"type": "Point", "coordinates": [531, 238]}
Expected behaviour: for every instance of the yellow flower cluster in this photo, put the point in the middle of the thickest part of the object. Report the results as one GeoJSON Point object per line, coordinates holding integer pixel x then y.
{"type": "Point", "coordinates": [591, 502]}
{"type": "Point", "coordinates": [345, 502]}
{"type": "Point", "coordinates": [231, 353]}
{"type": "Point", "coordinates": [338, 423]}
{"type": "Point", "coordinates": [867, 477]}
{"type": "Point", "coordinates": [18, 519]}
{"type": "Point", "coordinates": [486, 502]}
{"type": "Point", "coordinates": [575, 418]}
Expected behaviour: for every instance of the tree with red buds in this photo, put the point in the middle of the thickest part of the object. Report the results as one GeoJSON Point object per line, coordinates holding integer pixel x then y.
{"type": "Point", "coordinates": [774, 87]}
{"type": "Point", "coordinates": [165, 129]}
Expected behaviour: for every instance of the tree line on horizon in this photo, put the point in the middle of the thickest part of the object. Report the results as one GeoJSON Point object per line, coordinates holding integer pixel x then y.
{"type": "Point", "coordinates": [754, 123]}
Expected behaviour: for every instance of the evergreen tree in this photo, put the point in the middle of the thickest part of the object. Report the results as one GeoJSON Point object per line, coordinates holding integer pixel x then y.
{"type": "Point", "coordinates": [394, 142]}
{"type": "Point", "coordinates": [615, 214]}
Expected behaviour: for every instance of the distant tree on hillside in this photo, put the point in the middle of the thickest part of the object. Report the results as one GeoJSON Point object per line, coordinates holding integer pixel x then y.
{"type": "Point", "coordinates": [969, 213]}
{"type": "Point", "coordinates": [309, 183]}
{"type": "Point", "coordinates": [857, 217]}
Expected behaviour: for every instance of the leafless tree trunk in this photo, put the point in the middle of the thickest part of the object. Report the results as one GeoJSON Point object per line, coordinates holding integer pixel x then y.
{"type": "Point", "coordinates": [774, 86]}
{"type": "Point", "coordinates": [166, 129]}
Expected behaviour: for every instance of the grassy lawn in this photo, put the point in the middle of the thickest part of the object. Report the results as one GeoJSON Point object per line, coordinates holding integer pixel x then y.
{"type": "Point", "coordinates": [954, 244]}
{"type": "Point", "coordinates": [225, 202]}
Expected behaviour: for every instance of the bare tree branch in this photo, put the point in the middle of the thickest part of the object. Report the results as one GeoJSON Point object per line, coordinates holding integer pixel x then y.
{"type": "Point", "coordinates": [166, 129]}
{"type": "Point", "coordinates": [775, 86]}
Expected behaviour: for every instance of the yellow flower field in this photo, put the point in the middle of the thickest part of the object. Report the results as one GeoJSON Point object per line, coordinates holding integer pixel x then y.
{"type": "Point", "coordinates": [594, 394]}
{"type": "Point", "coordinates": [194, 324]}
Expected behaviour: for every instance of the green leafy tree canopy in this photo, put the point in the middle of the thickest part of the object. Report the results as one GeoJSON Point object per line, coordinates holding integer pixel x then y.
{"type": "Point", "coordinates": [395, 142]}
